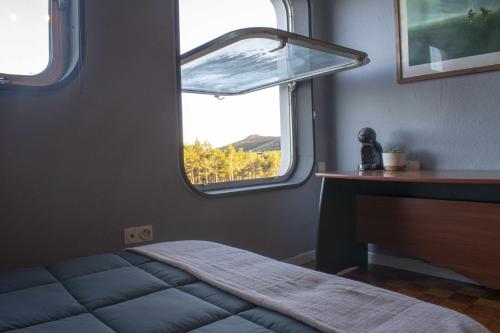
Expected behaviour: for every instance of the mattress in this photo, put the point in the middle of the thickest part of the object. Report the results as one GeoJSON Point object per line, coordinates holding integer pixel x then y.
{"type": "Point", "coordinates": [126, 292]}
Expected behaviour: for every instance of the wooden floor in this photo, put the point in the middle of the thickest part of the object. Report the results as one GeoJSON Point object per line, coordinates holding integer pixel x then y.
{"type": "Point", "coordinates": [479, 303]}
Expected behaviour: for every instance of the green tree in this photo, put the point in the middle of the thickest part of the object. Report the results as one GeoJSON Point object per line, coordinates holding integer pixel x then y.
{"type": "Point", "coordinates": [205, 164]}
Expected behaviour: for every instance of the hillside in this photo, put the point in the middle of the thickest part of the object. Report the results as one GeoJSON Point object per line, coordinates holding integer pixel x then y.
{"type": "Point", "coordinates": [257, 143]}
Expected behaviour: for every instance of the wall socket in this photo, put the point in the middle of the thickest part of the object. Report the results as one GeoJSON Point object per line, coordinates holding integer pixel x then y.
{"type": "Point", "coordinates": [141, 234]}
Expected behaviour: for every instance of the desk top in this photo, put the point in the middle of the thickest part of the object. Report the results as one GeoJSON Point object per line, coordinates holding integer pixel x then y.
{"type": "Point", "coordinates": [438, 177]}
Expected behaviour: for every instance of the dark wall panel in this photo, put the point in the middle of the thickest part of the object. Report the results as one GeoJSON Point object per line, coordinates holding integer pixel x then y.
{"type": "Point", "coordinates": [81, 162]}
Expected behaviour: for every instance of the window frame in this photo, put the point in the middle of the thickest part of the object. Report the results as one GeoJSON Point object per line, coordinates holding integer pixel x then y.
{"type": "Point", "coordinates": [63, 55]}
{"type": "Point", "coordinates": [289, 119]}
{"type": "Point", "coordinates": [286, 117]}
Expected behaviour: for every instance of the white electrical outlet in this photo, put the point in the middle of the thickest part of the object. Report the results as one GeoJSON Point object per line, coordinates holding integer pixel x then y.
{"type": "Point", "coordinates": [139, 234]}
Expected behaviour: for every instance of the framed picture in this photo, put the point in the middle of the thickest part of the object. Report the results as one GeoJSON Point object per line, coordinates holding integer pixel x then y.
{"type": "Point", "coordinates": [439, 38]}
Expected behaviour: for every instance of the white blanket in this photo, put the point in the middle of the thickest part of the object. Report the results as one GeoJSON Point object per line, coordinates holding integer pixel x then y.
{"type": "Point", "coordinates": [325, 302]}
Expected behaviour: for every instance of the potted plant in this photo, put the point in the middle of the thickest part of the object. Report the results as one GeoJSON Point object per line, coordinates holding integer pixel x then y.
{"type": "Point", "coordinates": [394, 159]}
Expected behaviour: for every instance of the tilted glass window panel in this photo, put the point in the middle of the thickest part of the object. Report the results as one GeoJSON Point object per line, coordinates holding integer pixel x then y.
{"type": "Point", "coordinates": [256, 58]}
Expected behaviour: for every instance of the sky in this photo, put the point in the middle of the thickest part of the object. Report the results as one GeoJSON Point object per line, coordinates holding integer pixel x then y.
{"type": "Point", "coordinates": [24, 36]}
{"type": "Point", "coordinates": [233, 118]}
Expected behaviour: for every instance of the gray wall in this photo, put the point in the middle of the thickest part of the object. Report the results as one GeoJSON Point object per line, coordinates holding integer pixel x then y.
{"type": "Point", "coordinates": [446, 123]}
{"type": "Point", "coordinates": [80, 163]}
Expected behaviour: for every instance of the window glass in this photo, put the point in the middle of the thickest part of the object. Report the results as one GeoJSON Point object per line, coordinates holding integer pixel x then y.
{"type": "Point", "coordinates": [237, 138]}
{"type": "Point", "coordinates": [24, 36]}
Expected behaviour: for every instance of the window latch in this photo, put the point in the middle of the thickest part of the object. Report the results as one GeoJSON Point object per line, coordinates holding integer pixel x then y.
{"type": "Point", "coordinates": [4, 80]}
{"type": "Point", "coordinates": [283, 43]}
{"type": "Point", "coordinates": [63, 4]}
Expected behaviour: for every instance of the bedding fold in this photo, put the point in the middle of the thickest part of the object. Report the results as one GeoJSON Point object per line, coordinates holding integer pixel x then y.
{"type": "Point", "coordinates": [328, 303]}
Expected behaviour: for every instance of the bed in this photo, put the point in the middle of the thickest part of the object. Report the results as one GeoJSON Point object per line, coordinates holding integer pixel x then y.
{"type": "Point", "coordinates": [197, 287]}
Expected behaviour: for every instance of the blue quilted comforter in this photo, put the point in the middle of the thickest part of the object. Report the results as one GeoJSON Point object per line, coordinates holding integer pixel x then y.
{"type": "Point", "coordinates": [126, 292]}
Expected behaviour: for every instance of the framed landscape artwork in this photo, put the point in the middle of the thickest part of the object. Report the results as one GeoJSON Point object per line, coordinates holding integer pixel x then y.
{"type": "Point", "coordinates": [439, 38]}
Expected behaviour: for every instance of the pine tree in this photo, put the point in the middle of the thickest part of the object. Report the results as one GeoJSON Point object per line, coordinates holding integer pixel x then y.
{"type": "Point", "coordinates": [205, 165]}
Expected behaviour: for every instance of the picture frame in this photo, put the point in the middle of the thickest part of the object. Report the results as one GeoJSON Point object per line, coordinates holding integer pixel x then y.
{"type": "Point", "coordinates": [443, 38]}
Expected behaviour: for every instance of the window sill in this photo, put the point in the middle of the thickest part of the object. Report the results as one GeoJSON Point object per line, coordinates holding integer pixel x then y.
{"type": "Point", "coordinates": [297, 179]}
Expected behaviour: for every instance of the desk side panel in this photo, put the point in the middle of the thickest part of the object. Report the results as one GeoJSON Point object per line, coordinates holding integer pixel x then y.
{"type": "Point", "coordinates": [337, 247]}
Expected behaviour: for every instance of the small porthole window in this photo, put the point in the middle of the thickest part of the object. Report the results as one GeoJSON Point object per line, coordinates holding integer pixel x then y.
{"type": "Point", "coordinates": [39, 41]}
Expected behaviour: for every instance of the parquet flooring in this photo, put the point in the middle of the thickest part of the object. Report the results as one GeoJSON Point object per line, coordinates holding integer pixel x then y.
{"type": "Point", "coordinates": [479, 303]}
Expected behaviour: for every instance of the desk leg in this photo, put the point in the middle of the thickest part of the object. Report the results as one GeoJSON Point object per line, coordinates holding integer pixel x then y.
{"type": "Point", "coordinates": [337, 247]}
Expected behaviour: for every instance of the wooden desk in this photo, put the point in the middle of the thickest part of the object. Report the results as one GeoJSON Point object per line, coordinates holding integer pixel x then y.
{"type": "Point", "coordinates": [449, 218]}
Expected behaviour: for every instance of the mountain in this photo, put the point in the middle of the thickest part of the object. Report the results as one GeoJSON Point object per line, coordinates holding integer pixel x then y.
{"type": "Point", "coordinates": [257, 143]}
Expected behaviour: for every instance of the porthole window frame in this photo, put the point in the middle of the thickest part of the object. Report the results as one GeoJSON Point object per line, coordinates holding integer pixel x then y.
{"type": "Point", "coordinates": [298, 116]}
{"type": "Point", "coordinates": [64, 48]}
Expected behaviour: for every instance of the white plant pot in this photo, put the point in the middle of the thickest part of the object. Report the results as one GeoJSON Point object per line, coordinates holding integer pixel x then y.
{"type": "Point", "coordinates": [394, 161]}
